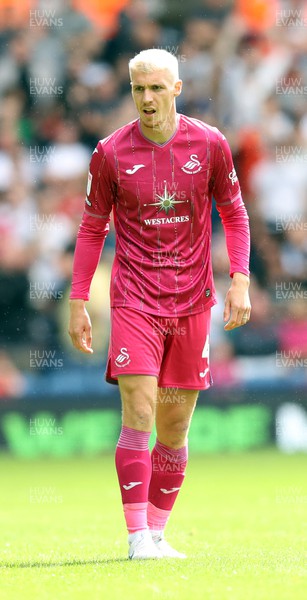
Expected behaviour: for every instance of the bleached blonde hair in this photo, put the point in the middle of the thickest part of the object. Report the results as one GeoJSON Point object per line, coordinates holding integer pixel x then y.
{"type": "Point", "coordinates": [155, 59]}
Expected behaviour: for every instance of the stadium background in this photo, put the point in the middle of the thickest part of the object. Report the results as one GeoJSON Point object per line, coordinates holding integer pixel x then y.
{"type": "Point", "coordinates": [64, 85]}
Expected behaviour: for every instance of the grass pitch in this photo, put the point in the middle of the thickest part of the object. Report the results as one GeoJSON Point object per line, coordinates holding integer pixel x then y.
{"type": "Point", "coordinates": [240, 518]}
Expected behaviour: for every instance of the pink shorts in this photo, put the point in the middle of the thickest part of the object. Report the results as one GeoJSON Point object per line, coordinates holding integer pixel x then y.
{"type": "Point", "coordinates": [175, 350]}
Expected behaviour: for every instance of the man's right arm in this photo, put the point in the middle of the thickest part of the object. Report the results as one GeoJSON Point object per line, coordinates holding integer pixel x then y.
{"type": "Point", "coordinates": [80, 327]}
{"type": "Point", "coordinates": [90, 240]}
{"type": "Point", "coordinates": [89, 246]}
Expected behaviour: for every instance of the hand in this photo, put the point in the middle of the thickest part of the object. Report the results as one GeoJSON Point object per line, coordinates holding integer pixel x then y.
{"type": "Point", "coordinates": [80, 328]}
{"type": "Point", "coordinates": [237, 303]}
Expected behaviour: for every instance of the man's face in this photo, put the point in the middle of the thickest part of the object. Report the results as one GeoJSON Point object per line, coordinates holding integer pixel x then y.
{"type": "Point", "coordinates": [153, 95]}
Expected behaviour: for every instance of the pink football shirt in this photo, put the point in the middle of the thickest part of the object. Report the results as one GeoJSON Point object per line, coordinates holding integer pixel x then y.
{"type": "Point", "coordinates": [161, 196]}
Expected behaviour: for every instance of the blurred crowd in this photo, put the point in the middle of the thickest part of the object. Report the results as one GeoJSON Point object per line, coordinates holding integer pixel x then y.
{"type": "Point", "coordinates": [64, 85]}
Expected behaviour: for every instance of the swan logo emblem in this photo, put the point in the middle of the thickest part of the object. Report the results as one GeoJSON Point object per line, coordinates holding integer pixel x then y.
{"type": "Point", "coordinates": [123, 359]}
{"type": "Point", "coordinates": [192, 166]}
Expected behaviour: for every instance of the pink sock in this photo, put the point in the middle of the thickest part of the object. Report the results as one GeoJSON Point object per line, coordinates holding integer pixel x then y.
{"type": "Point", "coordinates": [133, 465]}
{"type": "Point", "coordinates": [168, 471]}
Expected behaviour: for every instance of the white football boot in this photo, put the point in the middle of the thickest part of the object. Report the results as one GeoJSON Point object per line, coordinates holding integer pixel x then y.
{"type": "Point", "coordinates": [164, 547]}
{"type": "Point", "coordinates": [142, 546]}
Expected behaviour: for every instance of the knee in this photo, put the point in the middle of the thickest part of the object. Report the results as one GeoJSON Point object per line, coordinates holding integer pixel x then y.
{"type": "Point", "coordinates": [138, 415]}
{"type": "Point", "coordinates": [173, 433]}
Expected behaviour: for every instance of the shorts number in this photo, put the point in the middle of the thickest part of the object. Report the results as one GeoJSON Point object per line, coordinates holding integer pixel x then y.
{"type": "Point", "coordinates": [205, 352]}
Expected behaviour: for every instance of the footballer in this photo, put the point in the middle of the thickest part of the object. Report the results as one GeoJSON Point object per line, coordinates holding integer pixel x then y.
{"type": "Point", "coordinates": [159, 175]}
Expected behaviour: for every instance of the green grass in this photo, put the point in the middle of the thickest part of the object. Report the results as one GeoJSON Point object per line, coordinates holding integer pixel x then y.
{"type": "Point", "coordinates": [240, 518]}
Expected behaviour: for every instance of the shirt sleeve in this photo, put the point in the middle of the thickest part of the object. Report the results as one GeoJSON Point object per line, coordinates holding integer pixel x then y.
{"type": "Point", "coordinates": [231, 208]}
{"type": "Point", "coordinates": [94, 226]}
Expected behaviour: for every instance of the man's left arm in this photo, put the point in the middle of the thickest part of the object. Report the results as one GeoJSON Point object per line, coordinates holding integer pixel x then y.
{"type": "Point", "coordinates": [233, 214]}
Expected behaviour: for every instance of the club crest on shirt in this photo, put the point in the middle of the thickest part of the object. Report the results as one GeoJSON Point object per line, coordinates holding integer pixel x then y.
{"type": "Point", "coordinates": [192, 166]}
